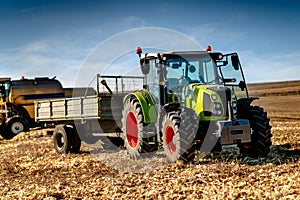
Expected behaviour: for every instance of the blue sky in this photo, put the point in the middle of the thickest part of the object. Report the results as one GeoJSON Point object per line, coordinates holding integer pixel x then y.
{"type": "Point", "coordinates": [54, 38]}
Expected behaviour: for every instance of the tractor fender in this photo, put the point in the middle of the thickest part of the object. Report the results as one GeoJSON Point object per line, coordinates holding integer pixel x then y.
{"type": "Point", "coordinates": [147, 103]}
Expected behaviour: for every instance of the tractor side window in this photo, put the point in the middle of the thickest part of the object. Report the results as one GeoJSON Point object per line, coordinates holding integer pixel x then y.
{"type": "Point", "coordinates": [175, 69]}
{"type": "Point", "coordinates": [209, 71]}
{"type": "Point", "coordinates": [229, 72]}
{"type": "Point", "coordinates": [234, 78]}
{"type": "Point", "coordinates": [193, 71]}
{"type": "Point", "coordinates": [175, 72]}
{"type": "Point", "coordinates": [152, 78]}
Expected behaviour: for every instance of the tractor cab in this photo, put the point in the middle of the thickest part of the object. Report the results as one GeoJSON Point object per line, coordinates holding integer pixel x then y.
{"type": "Point", "coordinates": [169, 73]}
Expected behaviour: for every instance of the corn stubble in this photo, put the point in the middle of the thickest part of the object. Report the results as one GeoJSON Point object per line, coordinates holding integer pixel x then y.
{"type": "Point", "coordinates": [30, 168]}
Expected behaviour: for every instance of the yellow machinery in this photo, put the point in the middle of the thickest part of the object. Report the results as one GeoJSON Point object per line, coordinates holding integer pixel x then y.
{"type": "Point", "coordinates": [17, 99]}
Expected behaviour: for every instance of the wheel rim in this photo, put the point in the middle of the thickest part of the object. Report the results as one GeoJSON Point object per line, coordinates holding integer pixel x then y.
{"type": "Point", "coordinates": [17, 127]}
{"type": "Point", "coordinates": [169, 140]}
{"type": "Point", "coordinates": [247, 146]}
{"type": "Point", "coordinates": [131, 130]}
{"type": "Point", "coordinates": [60, 141]}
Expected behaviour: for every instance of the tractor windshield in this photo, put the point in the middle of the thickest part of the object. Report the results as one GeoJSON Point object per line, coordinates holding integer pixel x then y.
{"type": "Point", "coordinates": [182, 70]}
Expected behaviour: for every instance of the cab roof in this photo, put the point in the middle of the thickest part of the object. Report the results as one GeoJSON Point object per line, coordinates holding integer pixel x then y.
{"type": "Point", "coordinates": [153, 55]}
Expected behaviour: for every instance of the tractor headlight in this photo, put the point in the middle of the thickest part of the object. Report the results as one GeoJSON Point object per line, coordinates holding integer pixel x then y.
{"type": "Point", "coordinates": [234, 108]}
{"type": "Point", "coordinates": [218, 109]}
{"type": "Point", "coordinates": [214, 97]}
{"type": "Point", "coordinates": [210, 107]}
{"type": "Point", "coordinates": [217, 106]}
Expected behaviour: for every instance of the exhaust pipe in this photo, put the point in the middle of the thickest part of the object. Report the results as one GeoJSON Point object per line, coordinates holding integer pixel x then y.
{"type": "Point", "coordinates": [103, 82]}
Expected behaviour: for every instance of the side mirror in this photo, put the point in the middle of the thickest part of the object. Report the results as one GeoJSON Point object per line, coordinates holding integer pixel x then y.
{"type": "Point", "coordinates": [145, 68]}
{"type": "Point", "coordinates": [235, 62]}
{"type": "Point", "coordinates": [242, 85]}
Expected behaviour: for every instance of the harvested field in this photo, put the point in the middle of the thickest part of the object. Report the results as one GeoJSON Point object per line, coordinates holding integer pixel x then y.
{"type": "Point", "coordinates": [279, 99]}
{"type": "Point", "coordinates": [31, 169]}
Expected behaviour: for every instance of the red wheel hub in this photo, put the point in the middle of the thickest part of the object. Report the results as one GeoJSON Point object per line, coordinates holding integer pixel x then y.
{"type": "Point", "coordinates": [247, 146]}
{"type": "Point", "coordinates": [169, 139]}
{"type": "Point", "coordinates": [132, 130]}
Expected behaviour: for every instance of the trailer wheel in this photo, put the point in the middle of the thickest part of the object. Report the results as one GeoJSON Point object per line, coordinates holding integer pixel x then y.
{"type": "Point", "coordinates": [261, 134]}
{"type": "Point", "coordinates": [75, 139]}
{"type": "Point", "coordinates": [178, 138]}
{"type": "Point", "coordinates": [14, 126]}
{"type": "Point", "coordinates": [132, 126]}
{"type": "Point", "coordinates": [66, 140]}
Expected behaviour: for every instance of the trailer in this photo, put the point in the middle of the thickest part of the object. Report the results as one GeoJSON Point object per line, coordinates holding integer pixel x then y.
{"type": "Point", "coordinates": [86, 118]}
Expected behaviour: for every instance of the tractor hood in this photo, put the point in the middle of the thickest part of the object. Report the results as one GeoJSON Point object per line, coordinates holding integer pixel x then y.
{"type": "Point", "coordinates": [210, 102]}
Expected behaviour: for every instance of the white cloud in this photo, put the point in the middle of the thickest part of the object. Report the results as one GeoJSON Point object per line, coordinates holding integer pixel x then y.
{"type": "Point", "coordinates": [40, 58]}
{"type": "Point", "coordinates": [267, 68]}
{"type": "Point", "coordinates": [133, 21]}
{"type": "Point", "coordinates": [113, 48]}
{"type": "Point", "coordinates": [27, 10]}
{"type": "Point", "coordinates": [257, 67]}
{"type": "Point", "coordinates": [76, 64]}
{"type": "Point", "coordinates": [212, 34]}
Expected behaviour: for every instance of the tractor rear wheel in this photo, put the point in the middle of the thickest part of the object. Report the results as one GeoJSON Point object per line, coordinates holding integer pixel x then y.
{"type": "Point", "coordinates": [133, 128]}
{"type": "Point", "coordinates": [261, 134]}
{"type": "Point", "coordinates": [178, 137]}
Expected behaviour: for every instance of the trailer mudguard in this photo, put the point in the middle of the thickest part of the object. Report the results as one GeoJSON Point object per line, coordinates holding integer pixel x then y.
{"type": "Point", "coordinates": [147, 103]}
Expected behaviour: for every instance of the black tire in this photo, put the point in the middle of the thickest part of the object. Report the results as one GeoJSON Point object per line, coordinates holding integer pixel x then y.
{"type": "Point", "coordinates": [75, 139]}
{"type": "Point", "coordinates": [2, 130]}
{"type": "Point", "coordinates": [66, 139]}
{"type": "Point", "coordinates": [178, 137]}
{"type": "Point", "coordinates": [133, 127]}
{"type": "Point", "coordinates": [261, 134]}
{"type": "Point", "coordinates": [13, 127]}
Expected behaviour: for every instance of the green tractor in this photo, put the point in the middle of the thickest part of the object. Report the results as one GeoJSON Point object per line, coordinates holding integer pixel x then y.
{"type": "Point", "coordinates": [193, 100]}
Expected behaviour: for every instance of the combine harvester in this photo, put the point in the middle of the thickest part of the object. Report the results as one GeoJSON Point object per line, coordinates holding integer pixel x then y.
{"type": "Point", "coordinates": [181, 99]}
{"type": "Point", "coordinates": [17, 99]}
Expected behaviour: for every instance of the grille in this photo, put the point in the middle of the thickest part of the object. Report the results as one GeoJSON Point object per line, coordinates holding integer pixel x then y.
{"type": "Point", "coordinates": [225, 94]}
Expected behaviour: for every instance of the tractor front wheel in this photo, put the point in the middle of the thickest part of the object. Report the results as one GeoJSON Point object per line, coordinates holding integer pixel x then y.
{"type": "Point", "coordinates": [178, 140]}
{"type": "Point", "coordinates": [261, 134]}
